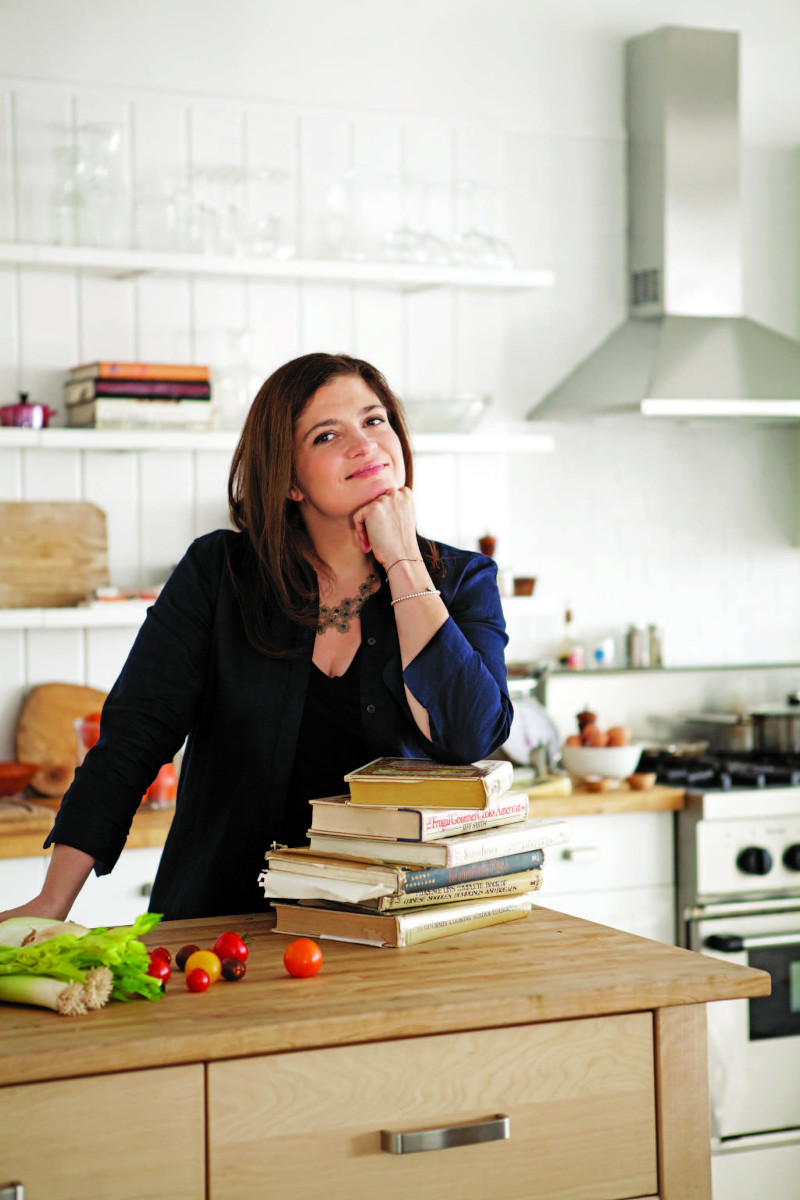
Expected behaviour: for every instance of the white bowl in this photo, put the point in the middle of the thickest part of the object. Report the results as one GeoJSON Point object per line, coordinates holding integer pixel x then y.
{"type": "Point", "coordinates": [608, 762]}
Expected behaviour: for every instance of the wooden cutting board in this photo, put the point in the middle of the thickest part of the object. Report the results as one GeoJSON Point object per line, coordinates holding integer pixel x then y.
{"type": "Point", "coordinates": [52, 555]}
{"type": "Point", "coordinates": [44, 732]}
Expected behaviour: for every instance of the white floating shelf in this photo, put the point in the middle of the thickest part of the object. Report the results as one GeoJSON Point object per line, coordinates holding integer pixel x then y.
{"type": "Point", "coordinates": [225, 440]}
{"type": "Point", "coordinates": [130, 263]}
{"type": "Point", "coordinates": [116, 614]}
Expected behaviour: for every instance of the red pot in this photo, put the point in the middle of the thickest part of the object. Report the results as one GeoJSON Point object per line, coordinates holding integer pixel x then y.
{"type": "Point", "coordinates": [31, 416]}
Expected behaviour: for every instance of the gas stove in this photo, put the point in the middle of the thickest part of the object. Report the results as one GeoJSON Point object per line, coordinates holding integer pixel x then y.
{"type": "Point", "coordinates": [724, 771]}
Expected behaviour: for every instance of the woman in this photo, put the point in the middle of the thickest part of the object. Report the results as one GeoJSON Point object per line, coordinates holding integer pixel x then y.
{"type": "Point", "coordinates": [323, 634]}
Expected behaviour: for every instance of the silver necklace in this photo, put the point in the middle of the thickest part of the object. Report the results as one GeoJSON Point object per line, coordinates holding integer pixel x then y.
{"type": "Point", "coordinates": [339, 616]}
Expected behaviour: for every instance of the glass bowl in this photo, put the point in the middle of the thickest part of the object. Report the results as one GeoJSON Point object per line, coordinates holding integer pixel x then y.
{"type": "Point", "coordinates": [459, 413]}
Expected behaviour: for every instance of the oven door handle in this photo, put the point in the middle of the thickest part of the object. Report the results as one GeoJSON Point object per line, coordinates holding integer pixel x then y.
{"type": "Point", "coordinates": [732, 943]}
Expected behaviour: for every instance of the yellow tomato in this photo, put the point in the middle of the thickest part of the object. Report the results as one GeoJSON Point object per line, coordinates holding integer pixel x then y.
{"type": "Point", "coordinates": [208, 961]}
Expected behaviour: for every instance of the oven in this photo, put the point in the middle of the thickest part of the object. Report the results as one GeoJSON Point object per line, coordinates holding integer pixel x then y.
{"type": "Point", "coordinates": [738, 898]}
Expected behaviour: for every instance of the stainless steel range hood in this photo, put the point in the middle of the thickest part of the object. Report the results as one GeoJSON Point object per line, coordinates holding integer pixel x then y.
{"type": "Point", "coordinates": [686, 350]}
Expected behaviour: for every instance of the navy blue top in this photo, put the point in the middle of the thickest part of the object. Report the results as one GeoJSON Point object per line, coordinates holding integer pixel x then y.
{"type": "Point", "coordinates": [193, 675]}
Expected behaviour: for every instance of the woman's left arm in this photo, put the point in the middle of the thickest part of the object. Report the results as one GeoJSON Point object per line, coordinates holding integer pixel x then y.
{"type": "Point", "coordinates": [452, 657]}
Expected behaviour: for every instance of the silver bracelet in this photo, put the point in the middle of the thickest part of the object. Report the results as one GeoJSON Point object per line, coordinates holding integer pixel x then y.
{"type": "Point", "coordinates": [431, 591]}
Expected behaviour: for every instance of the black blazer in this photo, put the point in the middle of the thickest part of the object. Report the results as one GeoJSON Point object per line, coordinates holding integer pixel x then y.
{"type": "Point", "coordinates": [192, 671]}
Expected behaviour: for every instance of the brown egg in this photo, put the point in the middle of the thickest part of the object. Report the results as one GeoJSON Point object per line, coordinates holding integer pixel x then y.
{"type": "Point", "coordinates": [619, 735]}
{"type": "Point", "coordinates": [592, 736]}
{"type": "Point", "coordinates": [573, 740]}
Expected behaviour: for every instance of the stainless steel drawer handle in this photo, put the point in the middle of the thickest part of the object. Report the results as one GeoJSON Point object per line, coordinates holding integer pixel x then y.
{"type": "Point", "coordinates": [496, 1129]}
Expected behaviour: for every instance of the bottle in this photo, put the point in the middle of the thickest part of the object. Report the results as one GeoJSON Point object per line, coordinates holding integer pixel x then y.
{"type": "Point", "coordinates": [570, 652]}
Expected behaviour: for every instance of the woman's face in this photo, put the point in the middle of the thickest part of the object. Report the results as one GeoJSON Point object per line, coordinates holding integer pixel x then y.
{"type": "Point", "coordinates": [345, 451]}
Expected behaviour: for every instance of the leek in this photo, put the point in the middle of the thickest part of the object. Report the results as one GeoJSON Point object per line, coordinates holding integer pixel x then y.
{"type": "Point", "coordinates": [69, 999]}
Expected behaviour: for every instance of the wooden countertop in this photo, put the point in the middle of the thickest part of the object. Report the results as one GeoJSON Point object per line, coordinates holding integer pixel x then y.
{"type": "Point", "coordinates": [621, 799]}
{"type": "Point", "coordinates": [25, 825]}
{"type": "Point", "coordinates": [546, 967]}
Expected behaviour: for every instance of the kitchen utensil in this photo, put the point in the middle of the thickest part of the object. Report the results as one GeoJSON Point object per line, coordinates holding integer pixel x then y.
{"type": "Point", "coordinates": [51, 554]}
{"type": "Point", "coordinates": [606, 762]}
{"type": "Point", "coordinates": [725, 731]}
{"type": "Point", "coordinates": [15, 777]}
{"type": "Point", "coordinates": [45, 734]}
{"type": "Point", "coordinates": [777, 727]}
{"type": "Point", "coordinates": [31, 416]}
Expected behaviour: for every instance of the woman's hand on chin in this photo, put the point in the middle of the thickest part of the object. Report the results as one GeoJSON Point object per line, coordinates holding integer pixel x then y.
{"type": "Point", "coordinates": [388, 526]}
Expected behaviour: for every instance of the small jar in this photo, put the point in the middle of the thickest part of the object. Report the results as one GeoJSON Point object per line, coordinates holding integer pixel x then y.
{"type": "Point", "coordinates": [655, 641]}
{"type": "Point", "coordinates": [637, 646]}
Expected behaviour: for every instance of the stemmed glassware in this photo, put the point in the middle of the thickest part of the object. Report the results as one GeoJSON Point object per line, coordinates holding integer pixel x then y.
{"type": "Point", "coordinates": [474, 245]}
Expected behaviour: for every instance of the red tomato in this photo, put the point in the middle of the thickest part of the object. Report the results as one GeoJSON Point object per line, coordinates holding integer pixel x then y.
{"type": "Point", "coordinates": [162, 952]}
{"type": "Point", "coordinates": [302, 958]}
{"type": "Point", "coordinates": [197, 980]}
{"type": "Point", "coordinates": [230, 945]}
{"type": "Point", "coordinates": [159, 968]}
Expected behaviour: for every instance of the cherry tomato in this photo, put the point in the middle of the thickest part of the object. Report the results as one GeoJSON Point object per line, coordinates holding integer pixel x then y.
{"type": "Point", "coordinates": [159, 968]}
{"type": "Point", "coordinates": [162, 952]}
{"type": "Point", "coordinates": [302, 958]}
{"type": "Point", "coordinates": [197, 980]}
{"type": "Point", "coordinates": [183, 954]}
{"type": "Point", "coordinates": [230, 945]}
{"type": "Point", "coordinates": [233, 969]}
{"type": "Point", "coordinates": [208, 961]}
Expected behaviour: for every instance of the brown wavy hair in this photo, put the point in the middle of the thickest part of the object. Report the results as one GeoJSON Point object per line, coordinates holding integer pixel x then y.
{"type": "Point", "coordinates": [276, 565]}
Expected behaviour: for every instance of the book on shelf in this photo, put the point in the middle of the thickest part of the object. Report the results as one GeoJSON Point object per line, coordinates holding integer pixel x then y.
{"type": "Point", "coordinates": [79, 390]}
{"type": "Point", "coordinates": [421, 781]}
{"type": "Point", "coordinates": [302, 874]}
{"type": "Point", "coordinates": [476, 889]}
{"type": "Point", "coordinates": [454, 851]}
{"type": "Point", "coordinates": [408, 823]}
{"type": "Point", "coordinates": [134, 413]}
{"type": "Point", "coordinates": [397, 929]}
{"type": "Point", "coordinates": [109, 369]}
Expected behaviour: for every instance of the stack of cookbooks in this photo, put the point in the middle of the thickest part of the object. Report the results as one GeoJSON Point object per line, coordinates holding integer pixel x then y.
{"type": "Point", "coordinates": [139, 395]}
{"type": "Point", "coordinates": [416, 851]}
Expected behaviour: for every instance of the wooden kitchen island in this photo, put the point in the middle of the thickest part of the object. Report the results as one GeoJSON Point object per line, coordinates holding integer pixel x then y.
{"type": "Point", "coordinates": [590, 1041]}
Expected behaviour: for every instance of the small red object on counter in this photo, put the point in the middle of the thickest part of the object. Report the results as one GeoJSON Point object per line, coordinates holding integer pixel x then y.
{"type": "Point", "coordinates": [163, 789]}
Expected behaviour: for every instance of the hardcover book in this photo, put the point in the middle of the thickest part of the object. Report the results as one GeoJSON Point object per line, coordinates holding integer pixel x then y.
{"type": "Point", "coordinates": [421, 781]}
{"type": "Point", "coordinates": [300, 873]}
{"type": "Point", "coordinates": [108, 369]}
{"type": "Point", "coordinates": [477, 889]}
{"type": "Point", "coordinates": [398, 929]}
{"type": "Point", "coordinates": [88, 389]}
{"type": "Point", "coordinates": [134, 413]}
{"type": "Point", "coordinates": [336, 814]}
{"type": "Point", "coordinates": [452, 851]}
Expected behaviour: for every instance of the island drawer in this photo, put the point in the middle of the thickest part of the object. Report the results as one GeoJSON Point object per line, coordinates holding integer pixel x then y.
{"type": "Point", "coordinates": [579, 1096]}
{"type": "Point", "coordinates": [138, 1135]}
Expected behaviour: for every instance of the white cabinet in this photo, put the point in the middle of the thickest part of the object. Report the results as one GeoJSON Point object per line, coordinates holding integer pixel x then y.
{"type": "Point", "coordinates": [617, 869]}
{"type": "Point", "coordinates": [118, 898]}
{"type": "Point", "coordinates": [115, 899]}
{"type": "Point", "coordinates": [20, 878]}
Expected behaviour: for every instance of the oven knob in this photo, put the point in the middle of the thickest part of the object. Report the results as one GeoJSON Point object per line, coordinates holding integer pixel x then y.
{"type": "Point", "coordinates": [754, 860]}
{"type": "Point", "coordinates": [791, 857]}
